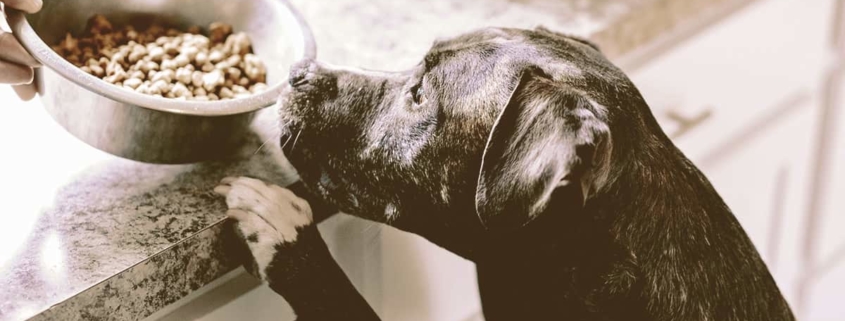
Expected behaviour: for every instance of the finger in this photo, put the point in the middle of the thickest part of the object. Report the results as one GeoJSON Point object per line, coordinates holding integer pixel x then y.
{"type": "Point", "coordinates": [14, 52]}
{"type": "Point", "coordinates": [14, 74]}
{"type": "Point", "coordinates": [25, 92]}
{"type": "Point", "coordinates": [228, 180]}
{"type": "Point", "coordinates": [29, 6]}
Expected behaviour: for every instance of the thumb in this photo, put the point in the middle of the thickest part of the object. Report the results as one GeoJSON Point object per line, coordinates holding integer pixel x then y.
{"type": "Point", "coordinates": [28, 6]}
{"type": "Point", "coordinates": [26, 92]}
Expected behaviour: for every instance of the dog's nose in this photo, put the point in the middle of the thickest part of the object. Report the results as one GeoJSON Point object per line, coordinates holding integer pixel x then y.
{"type": "Point", "coordinates": [299, 72]}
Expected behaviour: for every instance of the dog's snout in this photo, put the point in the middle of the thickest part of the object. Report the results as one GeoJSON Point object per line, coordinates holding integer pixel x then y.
{"type": "Point", "coordinates": [309, 79]}
{"type": "Point", "coordinates": [299, 72]}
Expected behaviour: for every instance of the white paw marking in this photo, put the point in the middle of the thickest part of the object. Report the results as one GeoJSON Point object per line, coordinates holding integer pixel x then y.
{"type": "Point", "coordinates": [263, 247]}
{"type": "Point", "coordinates": [267, 215]}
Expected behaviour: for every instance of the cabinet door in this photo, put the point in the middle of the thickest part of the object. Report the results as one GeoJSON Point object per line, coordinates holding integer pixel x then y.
{"type": "Point", "coordinates": [421, 281]}
{"type": "Point", "coordinates": [822, 287]}
{"type": "Point", "coordinates": [402, 276]}
{"type": "Point", "coordinates": [738, 73]}
{"type": "Point", "coordinates": [357, 246]}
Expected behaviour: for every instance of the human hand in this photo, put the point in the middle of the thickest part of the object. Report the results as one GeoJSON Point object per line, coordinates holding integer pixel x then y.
{"type": "Point", "coordinates": [16, 65]}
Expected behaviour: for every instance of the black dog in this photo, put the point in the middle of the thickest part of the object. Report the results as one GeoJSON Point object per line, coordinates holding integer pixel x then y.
{"type": "Point", "coordinates": [525, 151]}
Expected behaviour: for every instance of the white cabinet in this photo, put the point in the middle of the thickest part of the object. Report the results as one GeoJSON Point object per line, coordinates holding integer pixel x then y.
{"type": "Point", "coordinates": [743, 72]}
{"type": "Point", "coordinates": [823, 284]}
{"type": "Point", "coordinates": [423, 282]}
{"type": "Point", "coordinates": [234, 296]}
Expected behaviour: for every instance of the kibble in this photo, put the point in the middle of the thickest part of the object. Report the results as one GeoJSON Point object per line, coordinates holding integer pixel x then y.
{"type": "Point", "coordinates": [163, 76]}
{"type": "Point", "coordinates": [201, 58]}
{"type": "Point", "coordinates": [183, 75]}
{"type": "Point", "coordinates": [133, 83]}
{"type": "Point", "coordinates": [166, 62]}
{"type": "Point", "coordinates": [180, 90]}
{"type": "Point", "coordinates": [196, 79]}
{"type": "Point", "coordinates": [96, 70]}
{"type": "Point", "coordinates": [137, 74]}
{"type": "Point", "coordinates": [237, 89]}
{"type": "Point", "coordinates": [212, 80]}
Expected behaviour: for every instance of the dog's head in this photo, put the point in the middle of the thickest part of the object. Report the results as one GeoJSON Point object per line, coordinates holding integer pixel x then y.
{"type": "Point", "coordinates": [496, 120]}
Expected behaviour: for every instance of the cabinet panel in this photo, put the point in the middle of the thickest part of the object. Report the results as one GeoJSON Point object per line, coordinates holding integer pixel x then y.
{"type": "Point", "coordinates": [424, 282]}
{"type": "Point", "coordinates": [824, 281]}
{"type": "Point", "coordinates": [717, 84]}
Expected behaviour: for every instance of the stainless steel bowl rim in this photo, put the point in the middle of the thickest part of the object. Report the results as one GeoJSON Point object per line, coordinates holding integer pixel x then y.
{"type": "Point", "coordinates": [50, 59]}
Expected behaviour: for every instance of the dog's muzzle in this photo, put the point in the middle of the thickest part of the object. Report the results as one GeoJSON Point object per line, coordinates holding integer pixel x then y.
{"type": "Point", "coordinates": [310, 86]}
{"type": "Point", "coordinates": [311, 77]}
{"type": "Point", "coordinates": [300, 73]}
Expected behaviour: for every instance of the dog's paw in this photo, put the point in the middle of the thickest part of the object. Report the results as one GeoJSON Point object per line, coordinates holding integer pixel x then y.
{"type": "Point", "coordinates": [267, 215]}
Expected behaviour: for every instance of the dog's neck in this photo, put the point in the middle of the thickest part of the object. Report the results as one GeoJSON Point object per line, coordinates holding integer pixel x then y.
{"type": "Point", "coordinates": [686, 243]}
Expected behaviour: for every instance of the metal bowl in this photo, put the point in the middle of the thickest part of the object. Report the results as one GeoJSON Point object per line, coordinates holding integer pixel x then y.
{"type": "Point", "coordinates": [149, 128]}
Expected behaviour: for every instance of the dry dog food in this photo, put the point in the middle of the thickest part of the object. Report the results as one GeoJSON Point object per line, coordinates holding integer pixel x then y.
{"type": "Point", "coordinates": [166, 62]}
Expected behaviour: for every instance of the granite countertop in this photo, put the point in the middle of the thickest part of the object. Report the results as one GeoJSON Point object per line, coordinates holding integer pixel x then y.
{"type": "Point", "coordinates": [86, 235]}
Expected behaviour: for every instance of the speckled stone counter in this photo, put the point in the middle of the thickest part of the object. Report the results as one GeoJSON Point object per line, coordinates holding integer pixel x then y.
{"type": "Point", "coordinates": [86, 235]}
{"type": "Point", "coordinates": [90, 236]}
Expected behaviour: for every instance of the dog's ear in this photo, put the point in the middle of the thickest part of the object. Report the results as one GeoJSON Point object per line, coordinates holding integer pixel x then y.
{"type": "Point", "coordinates": [548, 138]}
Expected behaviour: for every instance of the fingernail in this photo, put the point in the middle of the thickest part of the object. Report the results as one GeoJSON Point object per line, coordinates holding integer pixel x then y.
{"type": "Point", "coordinates": [31, 76]}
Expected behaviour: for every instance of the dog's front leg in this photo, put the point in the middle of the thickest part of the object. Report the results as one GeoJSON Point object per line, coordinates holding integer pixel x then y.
{"type": "Point", "coordinates": [289, 253]}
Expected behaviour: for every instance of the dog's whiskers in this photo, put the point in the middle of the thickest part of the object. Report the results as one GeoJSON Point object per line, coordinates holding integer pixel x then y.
{"type": "Point", "coordinates": [262, 145]}
{"type": "Point", "coordinates": [284, 129]}
{"type": "Point", "coordinates": [286, 132]}
{"type": "Point", "coordinates": [295, 139]}
{"type": "Point", "coordinates": [286, 141]}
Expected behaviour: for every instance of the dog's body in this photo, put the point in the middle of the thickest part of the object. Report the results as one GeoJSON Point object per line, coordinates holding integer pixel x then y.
{"type": "Point", "coordinates": [526, 152]}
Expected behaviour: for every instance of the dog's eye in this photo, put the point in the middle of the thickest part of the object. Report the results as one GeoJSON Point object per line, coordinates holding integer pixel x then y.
{"type": "Point", "coordinates": [418, 93]}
